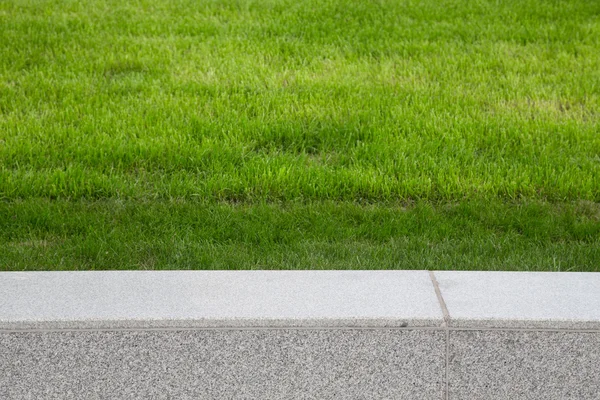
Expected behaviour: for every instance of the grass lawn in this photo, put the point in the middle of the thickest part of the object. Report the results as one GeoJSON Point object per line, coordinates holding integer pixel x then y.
{"type": "Point", "coordinates": [446, 134]}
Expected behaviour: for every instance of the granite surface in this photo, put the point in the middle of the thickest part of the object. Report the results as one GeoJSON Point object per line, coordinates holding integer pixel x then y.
{"type": "Point", "coordinates": [299, 334]}
{"type": "Point", "coordinates": [549, 300]}
{"type": "Point", "coordinates": [152, 299]}
{"type": "Point", "coordinates": [524, 365]}
{"type": "Point", "coordinates": [223, 364]}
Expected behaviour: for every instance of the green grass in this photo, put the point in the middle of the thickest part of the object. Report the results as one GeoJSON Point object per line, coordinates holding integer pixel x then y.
{"type": "Point", "coordinates": [159, 235]}
{"type": "Point", "coordinates": [247, 134]}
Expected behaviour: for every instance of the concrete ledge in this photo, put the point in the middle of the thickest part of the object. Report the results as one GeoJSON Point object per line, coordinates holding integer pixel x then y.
{"type": "Point", "coordinates": [477, 299]}
{"type": "Point", "coordinates": [299, 334]}
{"type": "Point", "coordinates": [519, 335]}
{"type": "Point", "coordinates": [210, 299]}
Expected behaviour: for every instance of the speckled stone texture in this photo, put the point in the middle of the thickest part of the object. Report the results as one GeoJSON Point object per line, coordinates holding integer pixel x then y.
{"type": "Point", "coordinates": [223, 364]}
{"type": "Point", "coordinates": [524, 365]}
{"type": "Point", "coordinates": [299, 335]}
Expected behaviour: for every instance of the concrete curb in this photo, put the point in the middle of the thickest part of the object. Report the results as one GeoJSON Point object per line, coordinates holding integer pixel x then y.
{"type": "Point", "coordinates": [299, 334]}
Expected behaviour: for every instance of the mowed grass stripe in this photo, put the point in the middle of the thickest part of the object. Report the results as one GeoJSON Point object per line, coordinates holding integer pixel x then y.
{"type": "Point", "coordinates": [278, 100]}
{"type": "Point", "coordinates": [67, 235]}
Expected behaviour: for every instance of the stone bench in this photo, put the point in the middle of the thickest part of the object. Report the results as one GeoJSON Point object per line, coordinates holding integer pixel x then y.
{"type": "Point", "coordinates": [299, 335]}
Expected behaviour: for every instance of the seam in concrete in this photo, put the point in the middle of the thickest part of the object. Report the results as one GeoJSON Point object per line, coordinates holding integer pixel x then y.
{"type": "Point", "coordinates": [446, 314]}
{"type": "Point", "coordinates": [438, 293]}
{"type": "Point", "coordinates": [302, 328]}
{"type": "Point", "coordinates": [492, 329]}
{"type": "Point", "coordinates": [231, 328]}
{"type": "Point", "coordinates": [447, 366]}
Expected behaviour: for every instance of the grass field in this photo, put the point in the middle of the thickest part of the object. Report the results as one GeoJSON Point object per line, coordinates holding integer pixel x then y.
{"type": "Point", "coordinates": [300, 134]}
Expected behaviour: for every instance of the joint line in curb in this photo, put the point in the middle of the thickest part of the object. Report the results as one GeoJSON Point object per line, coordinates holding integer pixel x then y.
{"type": "Point", "coordinates": [446, 315]}
{"type": "Point", "coordinates": [224, 328]}
{"type": "Point", "coordinates": [274, 328]}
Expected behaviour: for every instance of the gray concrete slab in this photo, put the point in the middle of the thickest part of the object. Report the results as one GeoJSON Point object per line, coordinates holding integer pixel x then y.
{"type": "Point", "coordinates": [194, 299]}
{"type": "Point", "coordinates": [477, 299]}
{"type": "Point", "coordinates": [524, 365]}
{"type": "Point", "coordinates": [223, 364]}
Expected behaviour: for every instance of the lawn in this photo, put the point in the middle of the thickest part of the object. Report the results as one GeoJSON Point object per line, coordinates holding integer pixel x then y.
{"type": "Point", "coordinates": [447, 134]}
